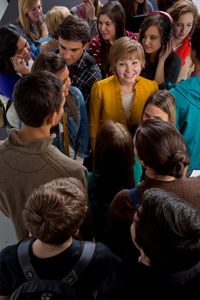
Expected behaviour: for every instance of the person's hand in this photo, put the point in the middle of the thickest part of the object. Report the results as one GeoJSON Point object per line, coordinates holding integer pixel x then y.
{"type": "Point", "coordinates": [89, 9]}
{"type": "Point", "coordinates": [20, 65]}
{"type": "Point", "coordinates": [44, 30]}
{"type": "Point", "coordinates": [164, 53]}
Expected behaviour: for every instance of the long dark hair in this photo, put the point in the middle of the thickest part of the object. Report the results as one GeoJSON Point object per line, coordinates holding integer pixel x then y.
{"type": "Point", "coordinates": [9, 37]}
{"type": "Point", "coordinates": [116, 13]}
{"type": "Point", "coordinates": [164, 25]}
{"type": "Point", "coordinates": [113, 160]}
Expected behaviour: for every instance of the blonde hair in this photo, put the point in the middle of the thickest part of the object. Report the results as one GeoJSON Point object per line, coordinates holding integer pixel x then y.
{"type": "Point", "coordinates": [24, 6]}
{"type": "Point", "coordinates": [125, 47]}
{"type": "Point", "coordinates": [97, 5]}
{"type": "Point", "coordinates": [54, 18]}
{"type": "Point", "coordinates": [182, 7]}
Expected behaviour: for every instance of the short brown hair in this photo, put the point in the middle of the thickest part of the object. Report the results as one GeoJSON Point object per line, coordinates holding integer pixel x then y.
{"type": "Point", "coordinates": [74, 28]}
{"type": "Point", "coordinates": [125, 47]}
{"type": "Point", "coordinates": [55, 210]}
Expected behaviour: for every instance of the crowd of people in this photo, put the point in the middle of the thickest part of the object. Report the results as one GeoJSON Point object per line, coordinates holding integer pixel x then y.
{"type": "Point", "coordinates": [103, 131]}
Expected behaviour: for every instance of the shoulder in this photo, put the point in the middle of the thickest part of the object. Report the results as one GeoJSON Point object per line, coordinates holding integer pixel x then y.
{"type": "Point", "coordinates": [75, 91]}
{"type": "Point", "coordinates": [188, 85]}
{"type": "Point", "coordinates": [175, 58]}
{"type": "Point", "coordinates": [121, 203]}
{"type": "Point", "coordinates": [146, 83]}
{"type": "Point", "coordinates": [9, 253]}
{"type": "Point", "coordinates": [104, 83]}
{"type": "Point", "coordinates": [11, 274]}
{"type": "Point", "coordinates": [68, 166]}
{"type": "Point", "coordinates": [90, 61]}
{"type": "Point", "coordinates": [104, 253]}
{"type": "Point", "coordinates": [95, 41]}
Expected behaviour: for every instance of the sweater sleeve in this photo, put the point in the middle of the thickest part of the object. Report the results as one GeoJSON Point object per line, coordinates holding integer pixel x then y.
{"type": "Point", "coordinates": [95, 110]}
{"type": "Point", "coordinates": [172, 68]}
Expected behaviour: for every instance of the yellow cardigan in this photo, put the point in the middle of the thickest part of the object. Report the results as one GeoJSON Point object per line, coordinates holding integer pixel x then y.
{"type": "Point", "coordinates": [106, 101]}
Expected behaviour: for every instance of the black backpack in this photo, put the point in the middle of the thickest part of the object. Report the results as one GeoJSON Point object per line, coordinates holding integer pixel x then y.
{"type": "Point", "coordinates": [45, 289]}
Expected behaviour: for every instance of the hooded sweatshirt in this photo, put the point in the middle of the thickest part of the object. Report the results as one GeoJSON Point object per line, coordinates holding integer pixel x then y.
{"type": "Point", "coordinates": [187, 94]}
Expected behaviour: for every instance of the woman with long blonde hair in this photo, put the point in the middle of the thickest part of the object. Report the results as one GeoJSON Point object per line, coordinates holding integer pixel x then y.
{"type": "Point", "coordinates": [31, 21]}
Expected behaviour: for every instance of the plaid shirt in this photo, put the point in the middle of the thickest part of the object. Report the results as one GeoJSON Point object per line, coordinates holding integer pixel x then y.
{"type": "Point", "coordinates": [84, 73]}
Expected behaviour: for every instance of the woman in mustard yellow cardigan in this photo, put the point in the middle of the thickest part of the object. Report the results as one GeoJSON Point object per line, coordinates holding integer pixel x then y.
{"type": "Point", "coordinates": [121, 97]}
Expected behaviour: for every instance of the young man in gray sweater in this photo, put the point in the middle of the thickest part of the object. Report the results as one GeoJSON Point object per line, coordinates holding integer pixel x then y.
{"type": "Point", "coordinates": [27, 157]}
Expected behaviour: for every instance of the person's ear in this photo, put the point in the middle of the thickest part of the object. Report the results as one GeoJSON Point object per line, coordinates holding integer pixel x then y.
{"type": "Point", "coordinates": [51, 119]}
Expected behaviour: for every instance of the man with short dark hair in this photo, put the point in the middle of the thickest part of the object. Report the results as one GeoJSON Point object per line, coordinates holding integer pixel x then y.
{"type": "Point", "coordinates": [28, 158]}
{"type": "Point", "coordinates": [73, 35]}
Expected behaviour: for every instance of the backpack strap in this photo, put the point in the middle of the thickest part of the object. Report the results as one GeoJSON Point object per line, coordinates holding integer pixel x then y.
{"type": "Point", "coordinates": [72, 276]}
{"type": "Point", "coordinates": [81, 265]}
{"type": "Point", "coordinates": [24, 259]}
{"type": "Point", "coordinates": [135, 198]}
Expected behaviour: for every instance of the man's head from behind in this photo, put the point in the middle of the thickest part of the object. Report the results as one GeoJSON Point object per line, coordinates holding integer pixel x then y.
{"type": "Point", "coordinates": [55, 210]}
{"type": "Point", "coordinates": [167, 231]}
{"type": "Point", "coordinates": [73, 35]}
{"type": "Point", "coordinates": [38, 98]}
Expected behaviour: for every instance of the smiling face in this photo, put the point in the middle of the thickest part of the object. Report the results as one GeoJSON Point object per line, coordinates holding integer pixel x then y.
{"type": "Point", "coordinates": [151, 41]}
{"type": "Point", "coordinates": [183, 26]}
{"type": "Point", "coordinates": [107, 28]}
{"type": "Point", "coordinates": [23, 49]}
{"type": "Point", "coordinates": [154, 112]}
{"type": "Point", "coordinates": [35, 12]}
{"type": "Point", "coordinates": [128, 69]}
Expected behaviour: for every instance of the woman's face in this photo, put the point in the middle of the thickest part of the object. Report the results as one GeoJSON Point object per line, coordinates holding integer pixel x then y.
{"type": "Point", "coordinates": [23, 49]}
{"type": "Point", "coordinates": [152, 111]}
{"type": "Point", "coordinates": [182, 27]}
{"type": "Point", "coordinates": [35, 13]}
{"type": "Point", "coordinates": [151, 41]}
{"type": "Point", "coordinates": [107, 28]}
{"type": "Point", "coordinates": [128, 70]}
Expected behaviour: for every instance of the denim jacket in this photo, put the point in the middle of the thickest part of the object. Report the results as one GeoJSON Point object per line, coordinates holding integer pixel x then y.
{"type": "Point", "coordinates": [78, 132]}
{"type": "Point", "coordinates": [34, 45]}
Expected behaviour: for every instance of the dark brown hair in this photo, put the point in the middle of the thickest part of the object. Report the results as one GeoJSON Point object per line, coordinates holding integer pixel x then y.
{"type": "Point", "coordinates": [54, 63]}
{"type": "Point", "coordinates": [113, 157]}
{"type": "Point", "coordinates": [161, 147]}
{"type": "Point", "coordinates": [167, 228]}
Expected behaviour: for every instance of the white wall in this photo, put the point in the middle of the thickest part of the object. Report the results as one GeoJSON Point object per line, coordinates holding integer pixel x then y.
{"type": "Point", "coordinates": [197, 3]}
{"type": "Point", "coordinates": [3, 5]}
{"type": "Point", "coordinates": [7, 234]}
